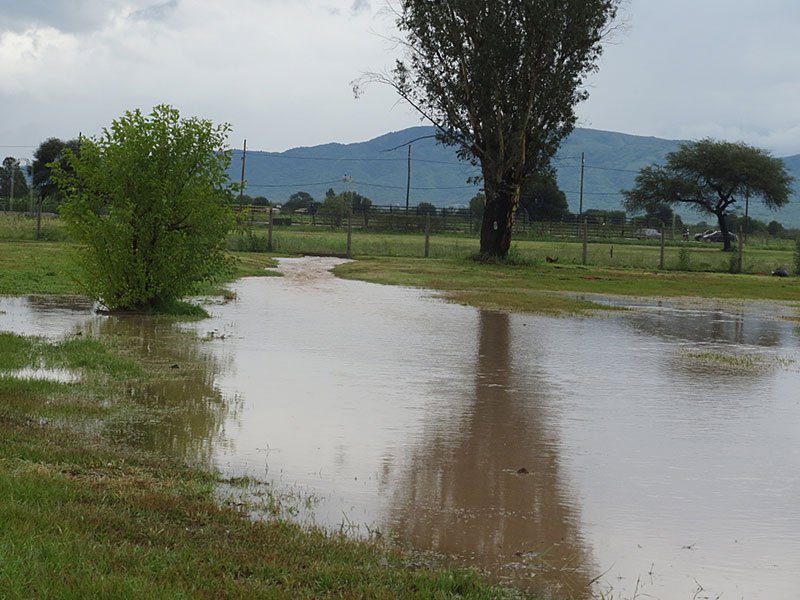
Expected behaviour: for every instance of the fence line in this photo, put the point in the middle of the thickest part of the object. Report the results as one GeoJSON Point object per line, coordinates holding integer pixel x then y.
{"type": "Point", "coordinates": [464, 221]}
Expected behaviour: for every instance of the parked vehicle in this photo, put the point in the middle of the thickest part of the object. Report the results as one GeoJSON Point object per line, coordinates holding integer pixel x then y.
{"type": "Point", "coordinates": [712, 235]}
{"type": "Point", "coordinates": [647, 234]}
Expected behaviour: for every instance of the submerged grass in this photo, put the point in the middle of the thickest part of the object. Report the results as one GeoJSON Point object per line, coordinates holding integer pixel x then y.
{"type": "Point", "coordinates": [84, 516]}
{"type": "Point", "coordinates": [738, 363]}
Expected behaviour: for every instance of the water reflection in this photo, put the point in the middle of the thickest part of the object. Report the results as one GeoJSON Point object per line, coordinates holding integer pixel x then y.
{"type": "Point", "coordinates": [415, 416]}
{"type": "Point", "coordinates": [492, 493]}
{"type": "Point", "coordinates": [184, 412]}
{"type": "Point", "coordinates": [728, 322]}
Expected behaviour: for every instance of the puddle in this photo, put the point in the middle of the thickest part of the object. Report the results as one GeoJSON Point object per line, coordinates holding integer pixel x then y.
{"type": "Point", "coordinates": [40, 374]}
{"type": "Point", "coordinates": [640, 447]}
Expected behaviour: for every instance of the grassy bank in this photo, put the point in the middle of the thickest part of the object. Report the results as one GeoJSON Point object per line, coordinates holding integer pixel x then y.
{"type": "Point", "coordinates": [761, 255]}
{"type": "Point", "coordinates": [539, 287]}
{"type": "Point", "coordinates": [29, 267]}
{"type": "Point", "coordinates": [84, 516]}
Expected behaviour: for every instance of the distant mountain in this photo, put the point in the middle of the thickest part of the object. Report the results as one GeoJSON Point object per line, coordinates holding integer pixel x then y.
{"type": "Point", "coordinates": [378, 169]}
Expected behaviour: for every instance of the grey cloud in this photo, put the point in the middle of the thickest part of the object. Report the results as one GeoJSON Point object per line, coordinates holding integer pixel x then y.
{"type": "Point", "coordinates": [155, 12]}
{"type": "Point", "coordinates": [73, 17]}
{"type": "Point", "coordinates": [360, 6]}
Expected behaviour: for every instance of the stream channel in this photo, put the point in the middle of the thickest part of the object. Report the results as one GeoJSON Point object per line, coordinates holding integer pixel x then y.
{"type": "Point", "coordinates": [651, 452]}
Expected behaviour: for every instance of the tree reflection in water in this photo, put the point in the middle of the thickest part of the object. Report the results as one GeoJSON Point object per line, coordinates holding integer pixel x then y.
{"type": "Point", "coordinates": [184, 412]}
{"type": "Point", "coordinates": [464, 496]}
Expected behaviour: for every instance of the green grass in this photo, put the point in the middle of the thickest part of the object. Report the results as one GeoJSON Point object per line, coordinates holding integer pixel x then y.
{"type": "Point", "coordinates": [83, 516]}
{"type": "Point", "coordinates": [539, 288]}
{"type": "Point", "coordinates": [50, 268]}
{"type": "Point", "coordinates": [19, 226]}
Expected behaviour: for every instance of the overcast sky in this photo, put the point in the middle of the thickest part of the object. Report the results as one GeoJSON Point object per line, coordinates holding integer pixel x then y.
{"type": "Point", "coordinates": [279, 71]}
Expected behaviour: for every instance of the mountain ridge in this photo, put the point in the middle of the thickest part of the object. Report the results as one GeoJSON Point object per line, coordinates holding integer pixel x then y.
{"type": "Point", "coordinates": [378, 169]}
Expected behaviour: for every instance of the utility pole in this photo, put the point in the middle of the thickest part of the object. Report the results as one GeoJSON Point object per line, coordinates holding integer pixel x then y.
{"type": "Point", "coordinates": [408, 181]}
{"type": "Point", "coordinates": [580, 205]}
{"type": "Point", "coordinates": [14, 167]}
{"type": "Point", "coordinates": [241, 188]}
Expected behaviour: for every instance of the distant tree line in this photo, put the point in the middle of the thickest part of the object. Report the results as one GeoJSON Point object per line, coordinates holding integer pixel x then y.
{"type": "Point", "coordinates": [540, 197]}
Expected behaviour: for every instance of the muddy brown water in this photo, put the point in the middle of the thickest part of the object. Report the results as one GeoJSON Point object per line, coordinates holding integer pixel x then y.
{"type": "Point", "coordinates": [653, 452]}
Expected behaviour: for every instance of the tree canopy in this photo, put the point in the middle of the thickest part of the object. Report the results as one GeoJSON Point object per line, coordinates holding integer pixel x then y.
{"type": "Point", "coordinates": [147, 200]}
{"type": "Point", "coordinates": [541, 198]}
{"type": "Point", "coordinates": [300, 200]}
{"type": "Point", "coordinates": [50, 151]}
{"type": "Point", "coordinates": [500, 79]}
{"type": "Point", "coordinates": [12, 173]}
{"type": "Point", "coordinates": [711, 176]}
{"type": "Point", "coordinates": [337, 207]}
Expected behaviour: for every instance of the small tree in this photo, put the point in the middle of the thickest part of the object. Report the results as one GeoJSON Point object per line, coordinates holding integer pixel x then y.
{"type": "Point", "coordinates": [775, 229]}
{"type": "Point", "coordinates": [147, 200]}
{"type": "Point", "coordinates": [49, 152]}
{"type": "Point", "coordinates": [335, 208]}
{"type": "Point", "coordinates": [477, 206]}
{"type": "Point", "coordinates": [12, 179]}
{"type": "Point", "coordinates": [541, 198]}
{"type": "Point", "coordinates": [711, 176]}
{"type": "Point", "coordinates": [300, 200]}
{"type": "Point", "coordinates": [426, 208]}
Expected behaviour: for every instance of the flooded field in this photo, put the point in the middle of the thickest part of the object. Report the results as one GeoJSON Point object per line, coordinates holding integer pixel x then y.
{"type": "Point", "coordinates": [653, 452]}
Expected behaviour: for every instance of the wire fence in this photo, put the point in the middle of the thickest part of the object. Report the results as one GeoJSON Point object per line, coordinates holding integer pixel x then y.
{"type": "Point", "coordinates": [398, 219]}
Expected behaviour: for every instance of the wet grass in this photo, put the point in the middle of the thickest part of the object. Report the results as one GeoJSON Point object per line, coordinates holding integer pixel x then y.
{"type": "Point", "coordinates": [83, 516]}
{"type": "Point", "coordinates": [540, 287]}
{"type": "Point", "coordinates": [737, 363]}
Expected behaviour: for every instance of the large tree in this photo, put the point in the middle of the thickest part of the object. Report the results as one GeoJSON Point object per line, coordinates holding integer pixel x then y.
{"type": "Point", "coordinates": [711, 176]}
{"type": "Point", "coordinates": [500, 79]}
{"type": "Point", "coordinates": [147, 199]}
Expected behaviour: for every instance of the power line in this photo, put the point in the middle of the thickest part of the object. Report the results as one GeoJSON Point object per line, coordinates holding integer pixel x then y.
{"type": "Point", "coordinates": [262, 155]}
{"type": "Point", "coordinates": [398, 187]}
{"type": "Point", "coordinates": [280, 185]}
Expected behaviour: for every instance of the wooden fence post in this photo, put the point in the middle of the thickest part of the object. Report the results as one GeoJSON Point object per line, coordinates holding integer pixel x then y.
{"type": "Point", "coordinates": [427, 234]}
{"type": "Point", "coordinates": [585, 253]}
{"type": "Point", "coordinates": [269, 231]}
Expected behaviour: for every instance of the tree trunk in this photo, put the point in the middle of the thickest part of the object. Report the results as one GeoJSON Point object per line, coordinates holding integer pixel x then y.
{"type": "Point", "coordinates": [726, 236]}
{"type": "Point", "coordinates": [498, 221]}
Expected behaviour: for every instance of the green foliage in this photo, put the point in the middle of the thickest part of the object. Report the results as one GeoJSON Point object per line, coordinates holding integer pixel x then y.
{"type": "Point", "coordinates": [360, 204]}
{"type": "Point", "coordinates": [147, 200]}
{"type": "Point", "coordinates": [684, 259]}
{"type": "Point", "coordinates": [426, 208]}
{"type": "Point", "coordinates": [300, 200]}
{"type": "Point", "coordinates": [50, 153]}
{"type": "Point", "coordinates": [542, 200]}
{"type": "Point", "coordinates": [775, 228]}
{"type": "Point", "coordinates": [336, 208]}
{"type": "Point", "coordinates": [711, 176]}
{"type": "Point", "coordinates": [797, 256]}
{"type": "Point", "coordinates": [12, 173]}
{"type": "Point", "coordinates": [477, 206]}
{"type": "Point", "coordinates": [603, 217]}
{"type": "Point", "coordinates": [500, 80]}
